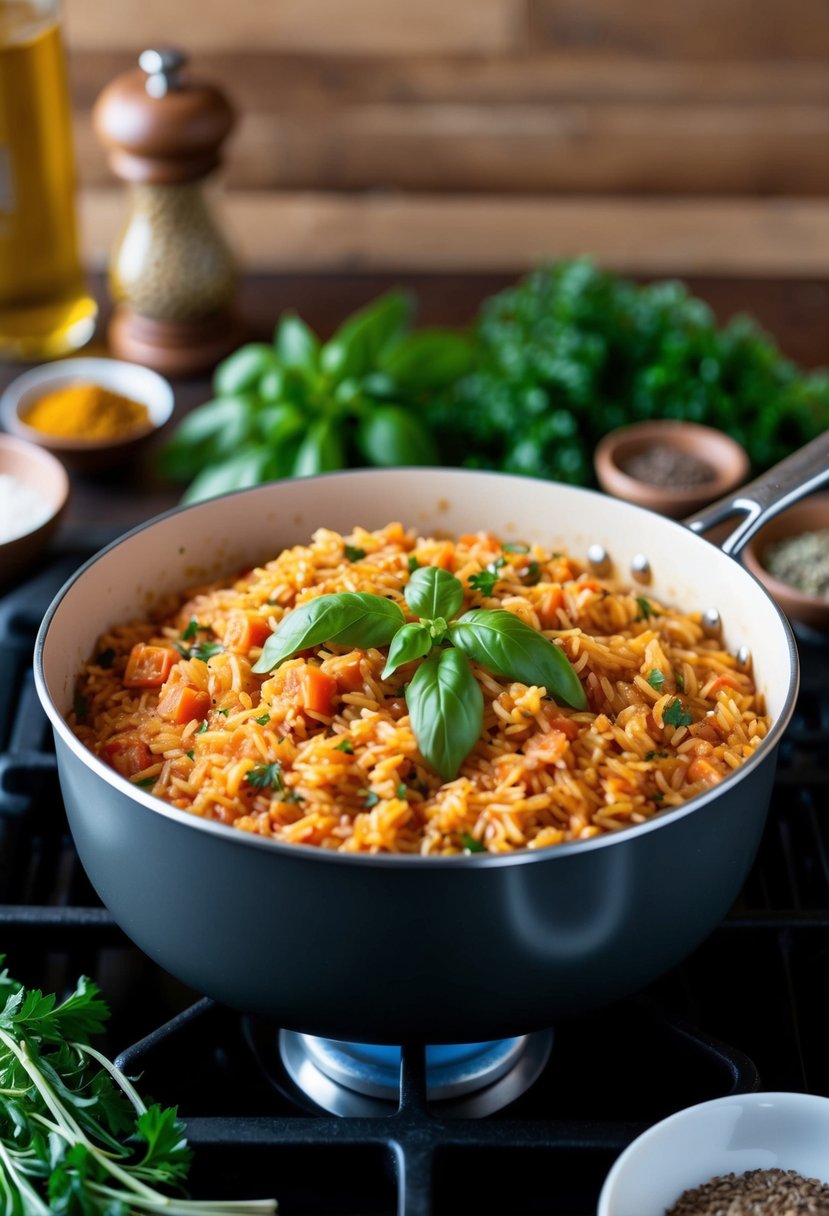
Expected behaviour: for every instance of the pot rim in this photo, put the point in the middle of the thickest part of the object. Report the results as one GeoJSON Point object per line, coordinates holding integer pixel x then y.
{"type": "Point", "coordinates": [766, 750]}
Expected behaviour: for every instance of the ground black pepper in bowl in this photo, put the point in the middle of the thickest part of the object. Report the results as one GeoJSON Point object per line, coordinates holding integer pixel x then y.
{"type": "Point", "coordinates": [662, 464]}
{"type": "Point", "coordinates": [756, 1193]}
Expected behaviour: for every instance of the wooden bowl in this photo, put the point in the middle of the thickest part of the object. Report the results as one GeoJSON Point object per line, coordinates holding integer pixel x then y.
{"type": "Point", "coordinates": [725, 457]}
{"type": "Point", "coordinates": [88, 455]}
{"type": "Point", "coordinates": [46, 478]}
{"type": "Point", "coordinates": [810, 515]}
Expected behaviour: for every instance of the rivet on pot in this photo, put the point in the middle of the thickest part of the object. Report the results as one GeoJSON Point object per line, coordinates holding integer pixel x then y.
{"type": "Point", "coordinates": [711, 620]}
{"type": "Point", "coordinates": [598, 559]}
{"type": "Point", "coordinates": [744, 656]}
{"type": "Point", "coordinates": [640, 568]}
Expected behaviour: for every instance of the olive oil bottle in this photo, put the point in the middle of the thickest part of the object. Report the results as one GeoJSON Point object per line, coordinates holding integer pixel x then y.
{"type": "Point", "coordinates": [45, 307]}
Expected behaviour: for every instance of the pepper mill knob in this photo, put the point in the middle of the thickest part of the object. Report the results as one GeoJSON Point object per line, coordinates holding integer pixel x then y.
{"type": "Point", "coordinates": [172, 275]}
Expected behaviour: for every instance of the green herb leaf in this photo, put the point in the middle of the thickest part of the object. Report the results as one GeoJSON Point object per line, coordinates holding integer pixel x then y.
{"type": "Point", "coordinates": [389, 436]}
{"type": "Point", "coordinates": [201, 729]}
{"type": "Point", "coordinates": [680, 680]}
{"type": "Point", "coordinates": [191, 755]}
{"type": "Point", "coordinates": [242, 371]}
{"type": "Point", "coordinates": [348, 618]}
{"type": "Point", "coordinates": [510, 648]}
{"type": "Point", "coordinates": [345, 745]}
{"type": "Point", "coordinates": [209, 434]}
{"type": "Point", "coordinates": [646, 608]}
{"type": "Point", "coordinates": [354, 348]}
{"type": "Point", "coordinates": [511, 547]}
{"type": "Point", "coordinates": [296, 345]}
{"type": "Point", "coordinates": [656, 755]}
{"type": "Point", "coordinates": [247, 466]}
{"type": "Point", "coordinates": [354, 553]}
{"type": "Point", "coordinates": [191, 630]}
{"type": "Point", "coordinates": [531, 574]}
{"type": "Point", "coordinates": [446, 708]}
{"type": "Point", "coordinates": [402, 790]}
{"type": "Point", "coordinates": [262, 720]}
{"type": "Point", "coordinates": [371, 799]}
{"type": "Point", "coordinates": [266, 776]}
{"type": "Point", "coordinates": [675, 715]}
{"type": "Point", "coordinates": [432, 592]}
{"type": "Point", "coordinates": [201, 650]}
{"type": "Point", "coordinates": [429, 359]}
{"type": "Point", "coordinates": [414, 564]}
{"type": "Point", "coordinates": [412, 641]}
{"type": "Point", "coordinates": [322, 449]}
{"type": "Point", "coordinates": [471, 844]}
{"type": "Point", "coordinates": [485, 580]}
{"type": "Point", "coordinates": [656, 679]}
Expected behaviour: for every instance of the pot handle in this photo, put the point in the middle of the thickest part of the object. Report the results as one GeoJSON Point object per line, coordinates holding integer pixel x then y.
{"type": "Point", "coordinates": [767, 495]}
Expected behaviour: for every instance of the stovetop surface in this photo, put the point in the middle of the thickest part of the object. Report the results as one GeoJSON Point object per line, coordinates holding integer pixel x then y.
{"type": "Point", "coordinates": [747, 1010]}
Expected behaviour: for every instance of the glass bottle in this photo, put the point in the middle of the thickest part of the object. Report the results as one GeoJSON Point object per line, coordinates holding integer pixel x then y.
{"type": "Point", "coordinates": [45, 306]}
{"type": "Point", "coordinates": [172, 275]}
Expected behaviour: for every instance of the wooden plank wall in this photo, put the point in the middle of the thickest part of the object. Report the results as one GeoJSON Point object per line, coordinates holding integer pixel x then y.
{"type": "Point", "coordinates": [485, 133]}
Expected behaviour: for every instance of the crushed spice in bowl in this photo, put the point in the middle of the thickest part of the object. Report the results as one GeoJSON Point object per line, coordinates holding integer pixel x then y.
{"type": "Point", "coordinates": [772, 1192]}
{"type": "Point", "coordinates": [661, 464]}
{"type": "Point", "coordinates": [790, 557]}
{"type": "Point", "coordinates": [86, 411]}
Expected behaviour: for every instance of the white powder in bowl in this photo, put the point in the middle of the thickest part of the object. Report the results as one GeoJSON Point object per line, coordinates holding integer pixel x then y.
{"type": "Point", "coordinates": [22, 509]}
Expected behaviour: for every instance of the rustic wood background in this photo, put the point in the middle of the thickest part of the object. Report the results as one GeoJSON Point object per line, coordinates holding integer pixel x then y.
{"type": "Point", "coordinates": [452, 135]}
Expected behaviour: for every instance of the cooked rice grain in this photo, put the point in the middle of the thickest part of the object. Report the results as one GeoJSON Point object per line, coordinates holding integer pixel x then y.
{"type": "Point", "coordinates": [541, 774]}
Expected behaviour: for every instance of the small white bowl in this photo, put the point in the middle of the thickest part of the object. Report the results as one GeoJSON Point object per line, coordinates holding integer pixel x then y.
{"type": "Point", "coordinates": [86, 455]}
{"type": "Point", "coordinates": [45, 477]}
{"type": "Point", "coordinates": [785, 1131]}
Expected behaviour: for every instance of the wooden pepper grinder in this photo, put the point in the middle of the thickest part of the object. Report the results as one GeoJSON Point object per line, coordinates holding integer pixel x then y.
{"type": "Point", "coordinates": [172, 275]}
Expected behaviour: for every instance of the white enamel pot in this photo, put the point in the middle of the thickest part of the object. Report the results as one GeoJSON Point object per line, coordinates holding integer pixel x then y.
{"type": "Point", "coordinates": [393, 948]}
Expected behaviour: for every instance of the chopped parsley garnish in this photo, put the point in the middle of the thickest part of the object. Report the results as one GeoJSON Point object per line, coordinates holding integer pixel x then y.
{"type": "Point", "coordinates": [202, 728]}
{"type": "Point", "coordinates": [656, 755]}
{"type": "Point", "coordinates": [515, 548]}
{"type": "Point", "coordinates": [485, 580]}
{"type": "Point", "coordinates": [146, 784]}
{"type": "Point", "coordinates": [266, 776]}
{"type": "Point", "coordinates": [205, 650]}
{"type": "Point", "coordinates": [223, 712]}
{"type": "Point", "coordinates": [371, 799]}
{"type": "Point", "coordinates": [105, 658]}
{"type": "Point", "coordinates": [656, 679]}
{"type": "Point", "coordinates": [646, 608]}
{"type": "Point", "coordinates": [191, 754]}
{"type": "Point", "coordinates": [471, 844]}
{"type": "Point", "coordinates": [402, 790]}
{"type": "Point", "coordinates": [81, 707]}
{"type": "Point", "coordinates": [354, 553]}
{"type": "Point", "coordinates": [680, 680]}
{"type": "Point", "coordinates": [192, 629]}
{"type": "Point", "coordinates": [675, 715]}
{"type": "Point", "coordinates": [414, 564]}
{"type": "Point", "coordinates": [345, 745]}
{"type": "Point", "coordinates": [263, 720]}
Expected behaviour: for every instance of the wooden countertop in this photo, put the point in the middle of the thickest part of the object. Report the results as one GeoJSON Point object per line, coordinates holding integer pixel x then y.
{"type": "Point", "coordinates": [795, 312]}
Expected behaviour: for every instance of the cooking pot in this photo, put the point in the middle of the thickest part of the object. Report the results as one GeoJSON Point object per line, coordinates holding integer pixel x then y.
{"type": "Point", "coordinates": [388, 948]}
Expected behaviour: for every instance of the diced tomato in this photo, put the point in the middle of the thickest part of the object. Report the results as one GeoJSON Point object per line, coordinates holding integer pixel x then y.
{"type": "Point", "coordinates": [349, 676]}
{"type": "Point", "coordinates": [318, 690]}
{"type": "Point", "coordinates": [244, 632]}
{"type": "Point", "coordinates": [180, 703]}
{"type": "Point", "coordinates": [548, 606]}
{"type": "Point", "coordinates": [567, 727]}
{"type": "Point", "coordinates": [127, 755]}
{"type": "Point", "coordinates": [444, 556]}
{"type": "Point", "coordinates": [148, 666]}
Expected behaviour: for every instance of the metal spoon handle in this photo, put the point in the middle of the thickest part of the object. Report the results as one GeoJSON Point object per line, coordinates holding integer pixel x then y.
{"type": "Point", "coordinates": [767, 495]}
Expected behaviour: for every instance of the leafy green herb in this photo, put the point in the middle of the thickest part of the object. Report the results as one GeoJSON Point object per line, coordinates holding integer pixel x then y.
{"type": "Point", "coordinates": [192, 629]}
{"type": "Point", "coordinates": [191, 754]}
{"type": "Point", "coordinates": [414, 564]}
{"type": "Point", "coordinates": [345, 745]}
{"type": "Point", "coordinates": [656, 679]}
{"type": "Point", "coordinates": [263, 719]}
{"type": "Point", "coordinates": [223, 712]}
{"type": "Point", "coordinates": [531, 574]}
{"type": "Point", "coordinates": [371, 799]}
{"type": "Point", "coordinates": [471, 844]}
{"type": "Point", "coordinates": [146, 783]}
{"type": "Point", "coordinates": [485, 580]}
{"type": "Point", "coordinates": [353, 553]}
{"type": "Point", "coordinates": [266, 776]}
{"type": "Point", "coordinates": [675, 715]}
{"type": "Point", "coordinates": [402, 790]}
{"type": "Point", "coordinates": [656, 755]}
{"type": "Point", "coordinates": [106, 658]}
{"type": "Point", "coordinates": [201, 729]}
{"type": "Point", "coordinates": [646, 609]}
{"type": "Point", "coordinates": [680, 681]}
{"type": "Point", "coordinates": [444, 699]}
{"type": "Point", "coordinates": [511, 547]}
{"type": "Point", "coordinates": [76, 1137]}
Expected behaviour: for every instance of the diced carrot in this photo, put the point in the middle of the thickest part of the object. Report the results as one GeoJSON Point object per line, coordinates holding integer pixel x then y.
{"type": "Point", "coordinates": [701, 769]}
{"type": "Point", "coordinates": [127, 755]}
{"type": "Point", "coordinates": [148, 666]}
{"type": "Point", "coordinates": [180, 703]}
{"type": "Point", "coordinates": [318, 690]}
{"type": "Point", "coordinates": [349, 676]}
{"type": "Point", "coordinates": [243, 632]}
{"type": "Point", "coordinates": [724, 681]}
{"type": "Point", "coordinates": [444, 556]}
{"type": "Point", "coordinates": [548, 606]}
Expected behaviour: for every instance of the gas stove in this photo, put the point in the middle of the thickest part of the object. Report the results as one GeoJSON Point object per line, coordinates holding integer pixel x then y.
{"type": "Point", "coordinates": [527, 1126]}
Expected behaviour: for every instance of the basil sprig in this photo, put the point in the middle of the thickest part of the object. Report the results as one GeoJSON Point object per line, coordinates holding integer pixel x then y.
{"type": "Point", "coordinates": [445, 702]}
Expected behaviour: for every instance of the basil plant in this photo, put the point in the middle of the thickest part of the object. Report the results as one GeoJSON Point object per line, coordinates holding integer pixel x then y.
{"type": "Point", "coordinates": [445, 702]}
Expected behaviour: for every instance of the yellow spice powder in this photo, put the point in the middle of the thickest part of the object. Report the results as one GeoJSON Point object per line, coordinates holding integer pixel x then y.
{"type": "Point", "coordinates": [86, 411]}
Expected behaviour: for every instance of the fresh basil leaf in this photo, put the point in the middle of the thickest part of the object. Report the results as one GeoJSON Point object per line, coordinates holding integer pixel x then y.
{"type": "Point", "coordinates": [247, 468]}
{"type": "Point", "coordinates": [271, 385]}
{"type": "Point", "coordinates": [432, 592]}
{"type": "Point", "coordinates": [279, 422]}
{"type": "Point", "coordinates": [389, 435]}
{"type": "Point", "coordinates": [348, 618]}
{"type": "Point", "coordinates": [429, 359]}
{"type": "Point", "coordinates": [412, 641]}
{"type": "Point", "coordinates": [207, 433]}
{"type": "Point", "coordinates": [446, 709]}
{"type": "Point", "coordinates": [243, 370]}
{"type": "Point", "coordinates": [354, 348]}
{"type": "Point", "coordinates": [510, 648]}
{"type": "Point", "coordinates": [297, 346]}
{"type": "Point", "coordinates": [321, 450]}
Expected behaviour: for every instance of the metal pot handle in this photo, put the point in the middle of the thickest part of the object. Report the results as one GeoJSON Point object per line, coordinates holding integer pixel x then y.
{"type": "Point", "coordinates": [767, 495]}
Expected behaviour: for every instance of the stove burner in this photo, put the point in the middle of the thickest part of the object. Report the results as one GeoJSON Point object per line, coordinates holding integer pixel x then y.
{"type": "Point", "coordinates": [361, 1079]}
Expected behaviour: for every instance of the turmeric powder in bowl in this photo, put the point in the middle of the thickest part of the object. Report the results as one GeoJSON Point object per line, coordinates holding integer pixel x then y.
{"type": "Point", "coordinates": [87, 411]}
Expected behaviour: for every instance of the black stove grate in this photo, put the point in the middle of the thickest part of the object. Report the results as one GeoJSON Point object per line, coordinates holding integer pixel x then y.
{"type": "Point", "coordinates": [747, 1010]}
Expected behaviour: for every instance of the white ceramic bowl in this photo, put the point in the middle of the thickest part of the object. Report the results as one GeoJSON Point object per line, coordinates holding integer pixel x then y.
{"type": "Point", "coordinates": [742, 1132]}
{"type": "Point", "coordinates": [85, 455]}
{"type": "Point", "coordinates": [44, 477]}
